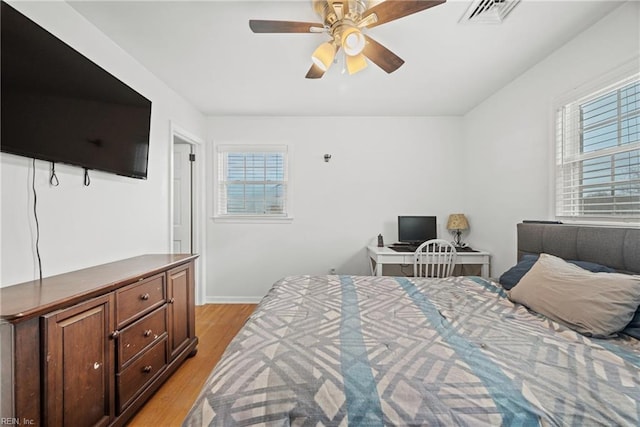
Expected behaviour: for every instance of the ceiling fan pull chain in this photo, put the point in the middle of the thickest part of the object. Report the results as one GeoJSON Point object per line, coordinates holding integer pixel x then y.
{"type": "Point", "coordinates": [344, 62]}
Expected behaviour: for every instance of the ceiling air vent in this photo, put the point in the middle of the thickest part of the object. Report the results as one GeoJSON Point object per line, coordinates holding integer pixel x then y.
{"type": "Point", "coordinates": [488, 11]}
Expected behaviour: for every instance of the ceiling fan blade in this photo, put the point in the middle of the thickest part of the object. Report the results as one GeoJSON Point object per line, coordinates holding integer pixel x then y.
{"type": "Point", "coordinates": [381, 56]}
{"type": "Point", "coordinates": [391, 10]}
{"type": "Point", "coordinates": [314, 72]}
{"type": "Point", "coordinates": [262, 26]}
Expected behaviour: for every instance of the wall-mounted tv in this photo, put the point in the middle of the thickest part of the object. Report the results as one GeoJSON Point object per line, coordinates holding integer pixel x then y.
{"type": "Point", "coordinates": [59, 106]}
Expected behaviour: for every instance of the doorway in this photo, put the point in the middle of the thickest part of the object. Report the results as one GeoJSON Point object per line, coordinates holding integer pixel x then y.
{"type": "Point", "coordinates": [182, 196]}
{"type": "Point", "coordinates": [186, 210]}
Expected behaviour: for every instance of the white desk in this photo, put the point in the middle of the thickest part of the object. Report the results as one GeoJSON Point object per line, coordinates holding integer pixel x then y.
{"type": "Point", "coordinates": [380, 256]}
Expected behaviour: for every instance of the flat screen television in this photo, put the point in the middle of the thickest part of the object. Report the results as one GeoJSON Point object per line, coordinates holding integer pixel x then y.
{"type": "Point", "coordinates": [416, 229]}
{"type": "Point", "coordinates": [59, 106]}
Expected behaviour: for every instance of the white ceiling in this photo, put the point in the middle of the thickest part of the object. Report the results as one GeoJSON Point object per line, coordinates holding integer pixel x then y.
{"type": "Point", "coordinates": [205, 51]}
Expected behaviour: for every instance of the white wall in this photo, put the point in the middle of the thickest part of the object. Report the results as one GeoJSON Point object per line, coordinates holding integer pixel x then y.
{"type": "Point", "coordinates": [380, 168]}
{"type": "Point", "coordinates": [508, 139]}
{"type": "Point", "coordinates": [113, 218]}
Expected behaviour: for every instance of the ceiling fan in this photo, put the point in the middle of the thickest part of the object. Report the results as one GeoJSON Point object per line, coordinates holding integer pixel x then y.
{"type": "Point", "coordinates": [343, 21]}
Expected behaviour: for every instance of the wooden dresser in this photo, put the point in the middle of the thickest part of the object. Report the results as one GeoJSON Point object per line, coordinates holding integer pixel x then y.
{"type": "Point", "coordinates": [89, 347]}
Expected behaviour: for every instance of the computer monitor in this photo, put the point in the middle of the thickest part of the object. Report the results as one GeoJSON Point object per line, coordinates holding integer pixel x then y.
{"type": "Point", "coordinates": [416, 229]}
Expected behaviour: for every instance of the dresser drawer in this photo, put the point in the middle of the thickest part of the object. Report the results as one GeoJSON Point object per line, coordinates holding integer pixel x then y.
{"type": "Point", "coordinates": [140, 298]}
{"type": "Point", "coordinates": [141, 334]}
{"type": "Point", "coordinates": [142, 371]}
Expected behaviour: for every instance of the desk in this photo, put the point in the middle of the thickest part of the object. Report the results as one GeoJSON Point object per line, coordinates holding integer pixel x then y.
{"type": "Point", "coordinates": [380, 256]}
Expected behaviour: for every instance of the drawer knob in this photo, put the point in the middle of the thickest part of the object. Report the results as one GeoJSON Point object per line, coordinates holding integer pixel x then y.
{"type": "Point", "coordinates": [172, 300]}
{"type": "Point", "coordinates": [144, 297]}
{"type": "Point", "coordinates": [148, 333]}
{"type": "Point", "coordinates": [147, 369]}
{"type": "Point", "coordinates": [115, 334]}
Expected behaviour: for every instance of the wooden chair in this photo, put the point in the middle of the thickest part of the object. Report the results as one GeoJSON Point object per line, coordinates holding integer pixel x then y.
{"type": "Point", "coordinates": [434, 258]}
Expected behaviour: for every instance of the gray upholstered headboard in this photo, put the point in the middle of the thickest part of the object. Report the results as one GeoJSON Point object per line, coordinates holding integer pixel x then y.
{"type": "Point", "coordinates": [614, 247]}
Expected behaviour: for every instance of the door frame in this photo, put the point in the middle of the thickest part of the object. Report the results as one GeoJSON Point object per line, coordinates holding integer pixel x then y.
{"type": "Point", "coordinates": [198, 234]}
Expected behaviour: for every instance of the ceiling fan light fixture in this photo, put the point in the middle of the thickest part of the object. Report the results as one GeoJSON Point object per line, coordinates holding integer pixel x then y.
{"type": "Point", "coordinates": [353, 41]}
{"type": "Point", "coordinates": [323, 56]}
{"type": "Point", "coordinates": [344, 21]}
{"type": "Point", "coordinates": [355, 63]}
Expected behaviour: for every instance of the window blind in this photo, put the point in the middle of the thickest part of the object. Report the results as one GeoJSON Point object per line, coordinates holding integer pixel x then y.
{"type": "Point", "coordinates": [598, 154]}
{"type": "Point", "coordinates": [252, 181]}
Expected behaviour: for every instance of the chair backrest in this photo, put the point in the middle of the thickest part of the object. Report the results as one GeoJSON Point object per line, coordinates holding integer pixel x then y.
{"type": "Point", "coordinates": [434, 258]}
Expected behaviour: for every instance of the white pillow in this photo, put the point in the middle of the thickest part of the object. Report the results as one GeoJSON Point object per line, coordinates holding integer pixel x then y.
{"type": "Point", "coordinates": [594, 304]}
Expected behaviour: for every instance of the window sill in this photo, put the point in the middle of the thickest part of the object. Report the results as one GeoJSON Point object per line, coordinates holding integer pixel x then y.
{"type": "Point", "coordinates": [253, 219]}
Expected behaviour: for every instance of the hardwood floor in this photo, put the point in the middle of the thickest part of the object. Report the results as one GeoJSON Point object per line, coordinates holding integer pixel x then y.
{"type": "Point", "coordinates": [216, 325]}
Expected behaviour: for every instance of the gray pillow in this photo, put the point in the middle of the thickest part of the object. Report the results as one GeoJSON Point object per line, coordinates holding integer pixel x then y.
{"type": "Point", "coordinates": [594, 304]}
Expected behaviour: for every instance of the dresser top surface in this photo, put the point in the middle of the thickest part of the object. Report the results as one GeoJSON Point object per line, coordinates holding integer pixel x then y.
{"type": "Point", "coordinates": [28, 299]}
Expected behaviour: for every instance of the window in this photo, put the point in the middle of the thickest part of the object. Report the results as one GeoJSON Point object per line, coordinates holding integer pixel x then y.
{"type": "Point", "coordinates": [252, 181]}
{"type": "Point", "coordinates": [598, 155]}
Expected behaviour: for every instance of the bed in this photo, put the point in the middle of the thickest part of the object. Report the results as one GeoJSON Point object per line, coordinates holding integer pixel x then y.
{"type": "Point", "coordinates": [360, 350]}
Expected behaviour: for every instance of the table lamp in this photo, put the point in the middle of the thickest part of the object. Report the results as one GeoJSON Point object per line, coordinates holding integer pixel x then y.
{"type": "Point", "coordinates": [455, 224]}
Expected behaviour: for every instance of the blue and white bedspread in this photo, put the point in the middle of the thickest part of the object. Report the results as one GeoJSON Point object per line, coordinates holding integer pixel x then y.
{"type": "Point", "coordinates": [372, 351]}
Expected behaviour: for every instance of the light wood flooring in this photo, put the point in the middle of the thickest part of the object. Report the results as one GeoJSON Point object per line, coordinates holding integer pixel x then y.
{"type": "Point", "coordinates": [216, 325]}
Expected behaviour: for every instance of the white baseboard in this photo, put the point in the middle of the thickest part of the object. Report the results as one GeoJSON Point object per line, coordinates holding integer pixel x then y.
{"type": "Point", "coordinates": [231, 300]}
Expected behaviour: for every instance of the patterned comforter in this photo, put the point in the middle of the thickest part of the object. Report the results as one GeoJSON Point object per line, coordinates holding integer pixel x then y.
{"type": "Point", "coordinates": [371, 351]}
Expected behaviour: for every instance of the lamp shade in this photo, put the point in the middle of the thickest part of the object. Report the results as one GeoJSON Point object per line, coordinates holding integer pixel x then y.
{"type": "Point", "coordinates": [457, 222]}
{"type": "Point", "coordinates": [356, 63]}
{"type": "Point", "coordinates": [353, 41]}
{"type": "Point", "coordinates": [323, 55]}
